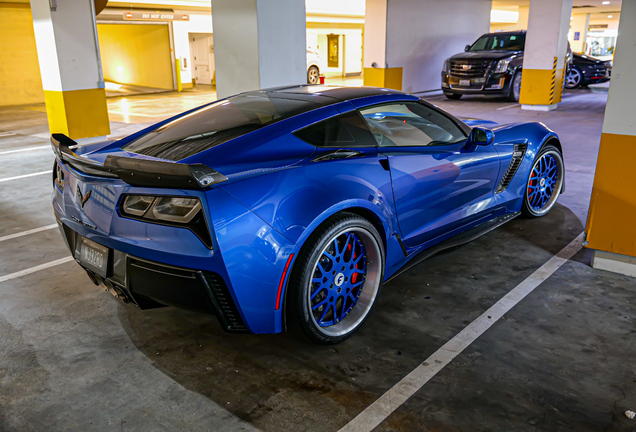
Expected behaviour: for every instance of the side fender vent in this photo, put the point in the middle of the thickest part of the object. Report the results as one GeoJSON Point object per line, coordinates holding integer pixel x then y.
{"type": "Point", "coordinates": [231, 318]}
{"type": "Point", "coordinates": [517, 156]}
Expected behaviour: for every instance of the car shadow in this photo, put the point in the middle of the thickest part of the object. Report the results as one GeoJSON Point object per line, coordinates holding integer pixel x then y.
{"type": "Point", "coordinates": [283, 381]}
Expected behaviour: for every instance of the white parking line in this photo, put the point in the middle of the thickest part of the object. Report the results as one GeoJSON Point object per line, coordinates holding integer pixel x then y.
{"type": "Point", "coordinates": [26, 149]}
{"type": "Point", "coordinates": [508, 106]}
{"type": "Point", "coordinates": [25, 176]}
{"type": "Point", "coordinates": [36, 269]}
{"type": "Point", "coordinates": [31, 231]}
{"type": "Point", "coordinates": [379, 410]}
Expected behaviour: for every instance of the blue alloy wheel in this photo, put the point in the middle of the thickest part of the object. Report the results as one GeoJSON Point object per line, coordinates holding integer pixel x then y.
{"type": "Point", "coordinates": [545, 182]}
{"type": "Point", "coordinates": [338, 279]}
{"type": "Point", "coordinates": [345, 281]}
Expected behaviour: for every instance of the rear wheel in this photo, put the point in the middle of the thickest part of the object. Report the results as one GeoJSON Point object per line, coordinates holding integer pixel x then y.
{"type": "Point", "coordinates": [337, 279]}
{"type": "Point", "coordinates": [453, 96]}
{"type": "Point", "coordinates": [544, 183]}
{"type": "Point", "coordinates": [573, 78]}
{"type": "Point", "coordinates": [312, 75]}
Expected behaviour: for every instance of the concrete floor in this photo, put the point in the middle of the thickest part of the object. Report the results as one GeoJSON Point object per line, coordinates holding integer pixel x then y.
{"type": "Point", "coordinates": [74, 358]}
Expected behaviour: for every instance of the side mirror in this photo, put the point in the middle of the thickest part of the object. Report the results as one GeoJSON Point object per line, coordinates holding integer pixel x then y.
{"type": "Point", "coordinates": [467, 48]}
{"type": "Point", "coordinates": [480, 136]}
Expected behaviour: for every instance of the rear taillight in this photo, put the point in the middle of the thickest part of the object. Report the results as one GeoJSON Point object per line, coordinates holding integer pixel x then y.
{"type": "Point", "coordinates": [58, 176]}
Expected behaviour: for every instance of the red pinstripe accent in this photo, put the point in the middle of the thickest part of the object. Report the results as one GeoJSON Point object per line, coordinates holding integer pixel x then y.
{"type": "Point", "coordinates": [282, 281]}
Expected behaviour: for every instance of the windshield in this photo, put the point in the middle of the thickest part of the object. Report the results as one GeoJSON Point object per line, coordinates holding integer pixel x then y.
{"type": "Point", "coordinates": [504, 42]}
{"type": "Point", "coordinates": [215, 124]}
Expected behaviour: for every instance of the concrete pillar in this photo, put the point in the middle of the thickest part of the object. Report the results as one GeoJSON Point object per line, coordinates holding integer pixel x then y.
{"type": "Point", "coordinates": [258, 44]}
{"type": "Point", "coordinates": [578, 32]}
{"type": "Point", "coordinates": [68, 53]}
{"type": "Point", "coordinates": [407, 41]}
{"type": "Point", "coordinates": [611, 222]}
{"type": "Point", "coordinates": [544, 55]}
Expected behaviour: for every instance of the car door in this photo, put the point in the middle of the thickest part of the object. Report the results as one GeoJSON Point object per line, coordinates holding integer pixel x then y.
{"type": "Point", "coordinates": [442, 182]}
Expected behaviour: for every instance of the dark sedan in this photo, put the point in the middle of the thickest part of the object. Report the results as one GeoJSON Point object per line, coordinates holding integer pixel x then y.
{"type": "Point", "coordinates": [587, 70]}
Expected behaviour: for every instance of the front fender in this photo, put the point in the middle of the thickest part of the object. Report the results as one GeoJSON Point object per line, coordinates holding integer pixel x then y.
{"type": "Point", "coordinates": [535, 136]}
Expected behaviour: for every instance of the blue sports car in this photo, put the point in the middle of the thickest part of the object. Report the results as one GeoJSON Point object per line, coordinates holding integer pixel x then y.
{"type": "Point", "coordinates": [290, 207]}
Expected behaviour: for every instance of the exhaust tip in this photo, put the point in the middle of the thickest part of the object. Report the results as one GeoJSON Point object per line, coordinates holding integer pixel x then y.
{"type": "Point", "coordinates": [116, 291]}
{"type": "Point", "coordinates": [92, 277]}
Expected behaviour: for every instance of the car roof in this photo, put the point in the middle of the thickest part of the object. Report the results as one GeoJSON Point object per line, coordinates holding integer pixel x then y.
{"type": "Point", "coordinates": [322, 94]}
{"type": "Point", "coordinates": [512, 32]}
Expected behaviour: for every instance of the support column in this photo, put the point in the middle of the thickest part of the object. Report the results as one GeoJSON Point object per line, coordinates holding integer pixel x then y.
{"type": "Point", "coordinates": [377, 72]}
{"type": "Point", "coordinates": [611, 222]}
{"type": "Point", "coordinates": [578, 32]}
{"type": "Point", "coordinates": [407, 41]}
{"type": "Point", "coordinates": [68, 53]}
{"type": "Point", "coordinates": [544, 54]}
{"type": "Point", "coordinates": [258, 44]}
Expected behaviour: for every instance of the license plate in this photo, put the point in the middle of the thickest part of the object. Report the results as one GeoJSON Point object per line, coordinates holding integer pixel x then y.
{"type": "Point", "coordinates": [93, 256]}
{"type": "Point", "coordinates": [464, 82]}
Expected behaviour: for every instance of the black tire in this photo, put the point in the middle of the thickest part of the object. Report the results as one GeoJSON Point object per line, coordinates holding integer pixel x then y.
{"type": "Point", "coordinates": [299, 312]}
{"type": "Point", "coordinates": [515, 92]}
{"type": "Point", "coordinates": [573, 78]}
{"type": "Point", "coordinates": [453, 96]}
{"type": "Point", "coordinates": [527, 209]}
{"type": "Point", "coordinates": [313, 75]}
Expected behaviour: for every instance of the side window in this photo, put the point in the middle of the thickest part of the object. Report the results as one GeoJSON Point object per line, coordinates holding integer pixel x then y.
{"type": "Point", "coordinates": [406, 124]}
{"type": "Point", "coordinates": [345, 130]}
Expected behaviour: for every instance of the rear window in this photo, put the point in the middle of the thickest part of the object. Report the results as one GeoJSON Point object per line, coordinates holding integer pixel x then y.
{"type": "Point", "coordinates": [345, 130]}
{"type": "Point", "coordinates": [216, 124]}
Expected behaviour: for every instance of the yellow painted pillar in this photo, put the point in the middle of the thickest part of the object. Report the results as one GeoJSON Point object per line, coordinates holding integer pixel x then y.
{"type": "Point", "coordinates": [611, 222]}
{"type": "Point", "coordinates": [544, 55]}
{"type": "Point", "coordinates": [68, 53]}
{"type": "Point", "coordinates": [376, 72]}
{"type": "Point", "coordinates": [578, 32]}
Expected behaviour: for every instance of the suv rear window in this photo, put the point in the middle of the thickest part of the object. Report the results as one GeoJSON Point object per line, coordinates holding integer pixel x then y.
{"type": "Point", "coordinates": [215, 124]}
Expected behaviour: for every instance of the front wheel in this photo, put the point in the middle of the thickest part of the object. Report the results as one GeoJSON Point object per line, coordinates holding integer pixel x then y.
{"type": "Point", "coordinates": [337, 279]}
{"type": "Point", "coordinates": [515, 88]}
{"type": "Point", "coordinates": [544, 183]}
{"type": "Point", "coordinates": [453, 96]}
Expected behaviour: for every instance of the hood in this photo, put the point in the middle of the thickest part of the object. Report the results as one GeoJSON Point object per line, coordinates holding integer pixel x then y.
{"type": "Point", "coordinates": [473, 122]}
{"type": "Point", "coordinates": [485, 55]}
{"type": "Point", "coordinates": [582, 58]}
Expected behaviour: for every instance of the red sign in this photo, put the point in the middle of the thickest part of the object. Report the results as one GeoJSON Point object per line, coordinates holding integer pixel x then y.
{"type": "Point", "coordinates": [155, 16]}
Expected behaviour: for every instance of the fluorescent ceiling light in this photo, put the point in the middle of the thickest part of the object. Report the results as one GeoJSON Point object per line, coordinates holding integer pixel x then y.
{"type": "Point", "coordinates": [503, 16]}
{"type": "Point", "coordinates": [605, 2]}
{"type": "Point", "coordinates": [610, 16]}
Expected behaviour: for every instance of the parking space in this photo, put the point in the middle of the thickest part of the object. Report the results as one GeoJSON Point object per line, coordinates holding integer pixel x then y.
{"type": "Point", "coordinates": [75, 358]}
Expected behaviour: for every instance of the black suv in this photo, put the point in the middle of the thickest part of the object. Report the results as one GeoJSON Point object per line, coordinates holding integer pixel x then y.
{"type": "Point", "coordinates": [490, 66]}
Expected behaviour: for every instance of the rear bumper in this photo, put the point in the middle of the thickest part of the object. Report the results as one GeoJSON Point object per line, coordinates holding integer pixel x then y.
{"type": "Point", "coordinates": [237, 278]}
{"type": "Point", "coordinates": [150, 284]}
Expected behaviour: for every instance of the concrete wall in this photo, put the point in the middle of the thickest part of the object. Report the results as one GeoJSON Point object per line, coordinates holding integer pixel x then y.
{"type": "Point", "coordinates": [422, 34]}
{"type": "Point", "coordinates": [20, 81]}
{"type": "Point", "coordinates": [199, 23]}
{"type": "Point", "coordinates": [137, 54]}
{"type": "Point", "coordinates": [521, 24]}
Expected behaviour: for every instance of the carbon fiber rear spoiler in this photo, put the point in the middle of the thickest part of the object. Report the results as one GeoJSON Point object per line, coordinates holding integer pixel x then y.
{"type": "Point", "coordinates": [138, 172]}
